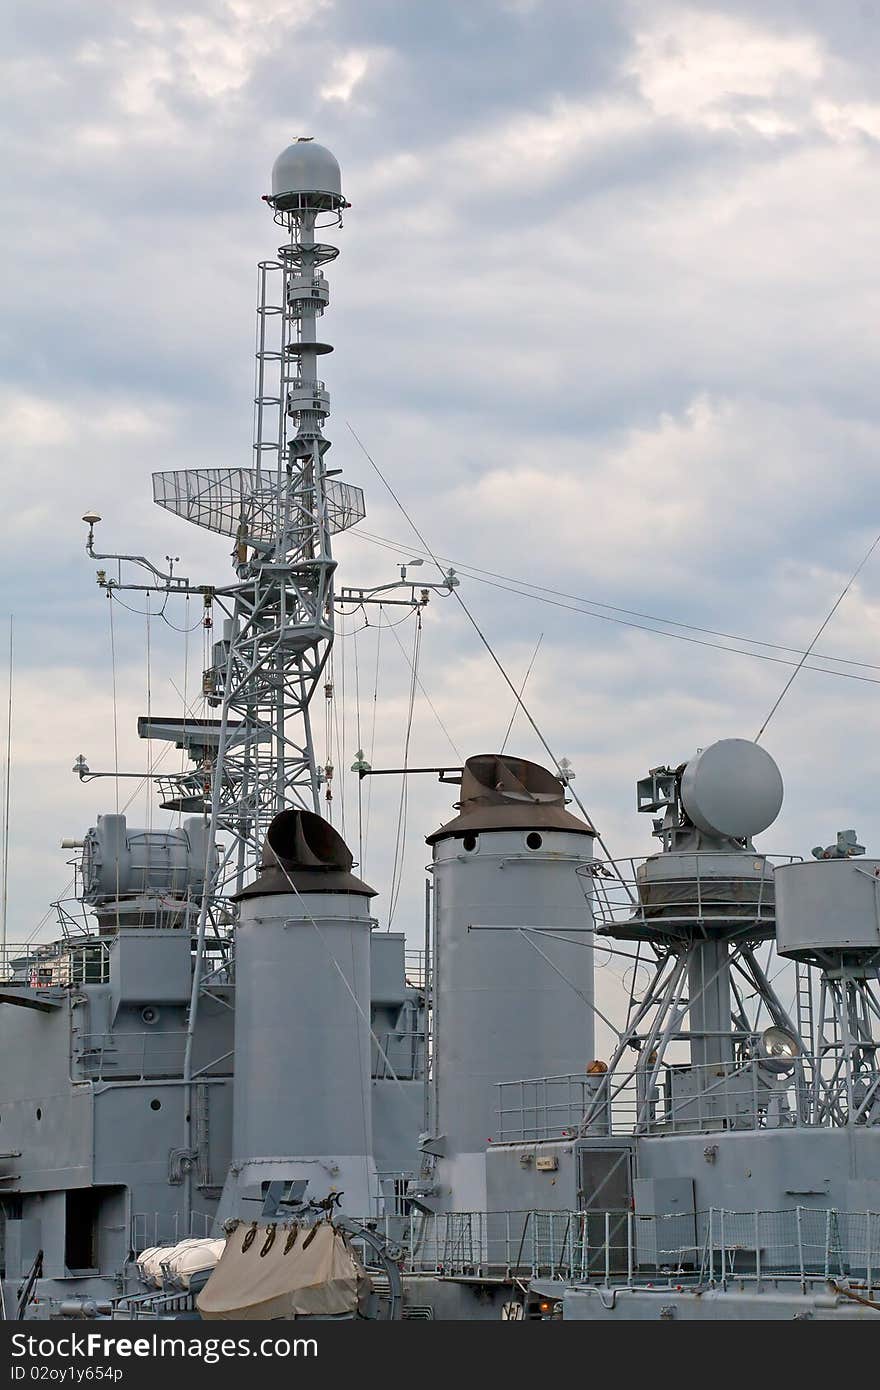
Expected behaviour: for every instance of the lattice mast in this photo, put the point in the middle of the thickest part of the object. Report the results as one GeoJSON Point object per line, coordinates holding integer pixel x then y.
{"type": "Point", "coordinates": [281, 514]}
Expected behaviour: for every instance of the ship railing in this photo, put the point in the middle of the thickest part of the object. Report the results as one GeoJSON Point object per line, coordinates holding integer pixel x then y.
{"type": "Point", "coordinates": [151, 1228]}
{"type": "Point", "coordinates": [304, 383]}
{"type": "Point", "coordinates": [142, 1055]}
{"type": "Point", "coordinates": [75, 960]}
{"type": "Point", "coordinates": [400, 1055]}
{"type": "Point", "coordinates": [803, 1243]}
{"type": "Point", "coordinates": [544, 1107]}
{"type": "Point", "coordinates": [513, 1244]}
{"type": "Point", "coordinates": [709, 1248]}
{"type": "Point", "coordinates": [624, 896]}
{"type": "Point", "coordinates": [686, 1099]}
{"type": "Point", "coordinates": [390, 1193]}
{"type": "Point", "coordinates": [414, 968]}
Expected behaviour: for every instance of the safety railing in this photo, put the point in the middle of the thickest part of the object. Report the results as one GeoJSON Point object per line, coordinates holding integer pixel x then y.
{"type": "Point", "coordinates": [151, 1228]}
{"type": "Point", "coordinates": [633, 892]}
{"type": "Point", "coordinates": [402, 1056]}
{"type": "Point", "coordinates": [688, 1099]}
{"type": "Point", "coordinates": [298, 384]}
{"type": "Point", "coordinates": [707, 1248]}
{"type": "Point", "coordinates": [682, 1100]}
{"type": "Point", "coordinates": [414, 968]}
{"type": "Point", "coordinates": [390, 1193]}
{"type": "Point", "coordinates": [710, 1248]}
{"type": "Point", "coordinates": [545, 1107]}
{"type": "Point", "coordinates": [55, 964]}
{"type": "Point", "coordinates": [149, 1053]}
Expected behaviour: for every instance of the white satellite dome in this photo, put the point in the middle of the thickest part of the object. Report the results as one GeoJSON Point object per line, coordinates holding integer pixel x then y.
{"type": "Point", "coordinates": [306, 168]}
{"type": "Point", "coordinates": [732, 788]}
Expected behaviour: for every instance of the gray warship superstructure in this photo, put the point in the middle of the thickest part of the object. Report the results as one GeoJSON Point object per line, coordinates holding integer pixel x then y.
{"type": "Point", "coordinates": [221, 1045]}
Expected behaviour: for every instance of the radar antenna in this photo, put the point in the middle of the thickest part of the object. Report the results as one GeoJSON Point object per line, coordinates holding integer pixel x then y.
{"type": "Point", "coordinates": [281, 514]}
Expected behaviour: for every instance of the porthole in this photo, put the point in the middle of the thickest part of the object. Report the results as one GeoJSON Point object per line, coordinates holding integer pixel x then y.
{"type": "Point", "coordinates": [150, 1015]}
{"type": "Point", "coordinates": [469, 842]}
{"type": "Point", "coordinates": [534, 840]}
{"type": "Point", "coordinates": [39, 1113]}
{"type": "Point", "coordinates": [155, 1104]}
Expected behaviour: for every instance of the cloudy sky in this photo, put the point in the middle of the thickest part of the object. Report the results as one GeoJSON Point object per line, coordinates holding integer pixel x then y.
{"type": "Point", "coordinates": [605, 315]}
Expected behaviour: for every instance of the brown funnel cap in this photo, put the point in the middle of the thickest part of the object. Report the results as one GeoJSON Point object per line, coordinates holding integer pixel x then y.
{"type": "Point", "coordinates": [304, 849]}
{"type": "Point", "coordinates": [499, 792]}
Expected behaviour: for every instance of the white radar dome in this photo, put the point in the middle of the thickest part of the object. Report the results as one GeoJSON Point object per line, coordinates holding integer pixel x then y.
{"type": "Point", "coordinates": [305, 167]}
{"type": "Point", "coordinates": [732, 788]}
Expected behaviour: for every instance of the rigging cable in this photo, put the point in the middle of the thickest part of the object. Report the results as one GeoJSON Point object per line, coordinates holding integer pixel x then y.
{"type": "Point", "coordinates": [340, 732]}
{"type": "Point", "coordinates": [161, 614]}
{"type": "Point", "coordinates": [521, 689]}
{"type": "Point", "coordinates": [149, 741]}
{"type": "Point", "coordinates": [473, 622]}
{"type": "Point", "coordinates": [186, 635]}
{"type": "Point", "coordinates": [115, 741]}
{"type": "Point", "coordinates": [536, 592]}
{"type": "Point", "coordinates": [7, 785]}
{"type": "Point", "coordinates": [357, 720]}
{"type": "Point", "coordinates": [422, 688]}
{"type": "Point", "coordinates": [328, 730]}
{"type": "Point", "coordinates": [340, 972]}
{"type": "Point", "coordinates": [834, 607]}
{"type": "Point", "coordinates": [373, 730]}
{"type": "Point", "coordinates": [400, 837]}
{"type": "Point", "coordinates": [111, 589]}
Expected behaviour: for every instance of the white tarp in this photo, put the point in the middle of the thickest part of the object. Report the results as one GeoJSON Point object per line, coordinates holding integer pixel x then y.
{"type": "Point", "coordinates": [297, 1272]}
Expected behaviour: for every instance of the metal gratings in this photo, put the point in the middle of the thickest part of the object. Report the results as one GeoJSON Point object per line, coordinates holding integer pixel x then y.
{"type": "Point", "coordinates": [236, 502]}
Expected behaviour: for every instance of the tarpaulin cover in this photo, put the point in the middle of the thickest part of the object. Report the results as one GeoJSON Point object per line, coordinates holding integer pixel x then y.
{"type": "Point", "coordinates": [304, 1272]}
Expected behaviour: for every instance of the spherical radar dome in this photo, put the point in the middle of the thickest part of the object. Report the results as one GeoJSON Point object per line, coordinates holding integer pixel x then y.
{"type": "Point", "coordinates": [306, 168]}
{"type": "Point", "coordinates": [732, 788]}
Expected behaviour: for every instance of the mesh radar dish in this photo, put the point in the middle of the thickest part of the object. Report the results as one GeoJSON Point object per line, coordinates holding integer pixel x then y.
{"type": "Point", "coordinates": [238, 502]}
{"type": "Point", "coordinates": [733, 789]}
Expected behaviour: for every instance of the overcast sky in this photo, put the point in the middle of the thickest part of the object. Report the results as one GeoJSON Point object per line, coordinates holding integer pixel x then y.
{"type": "Point", "coordinates": [605, 315]}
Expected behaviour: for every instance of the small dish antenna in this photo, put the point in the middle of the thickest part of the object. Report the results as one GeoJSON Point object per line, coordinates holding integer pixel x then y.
{"type": "Point", "coordinates": [733, 789]}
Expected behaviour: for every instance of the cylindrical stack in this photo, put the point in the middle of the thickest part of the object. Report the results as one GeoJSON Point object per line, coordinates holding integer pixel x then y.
{"type": "Point", "coordinates": [301, 1106]}
{"type": "Point", "coordinates": [513, 961]}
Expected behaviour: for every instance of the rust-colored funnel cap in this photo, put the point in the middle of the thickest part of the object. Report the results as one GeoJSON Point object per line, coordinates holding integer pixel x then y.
{"type": "Point", "coordinates": [303, 852]}
{"type": "Point", "coordinates": [499, 792]}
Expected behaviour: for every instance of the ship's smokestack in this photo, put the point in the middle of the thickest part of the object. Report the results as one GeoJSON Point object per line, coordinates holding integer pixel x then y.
{"type": "Point", "coordinates": [301, 1099]}
{"type": "Point", "coordinates": [512, 960]}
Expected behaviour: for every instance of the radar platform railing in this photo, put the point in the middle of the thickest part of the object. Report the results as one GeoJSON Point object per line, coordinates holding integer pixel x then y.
{"type": "Point", "coordinates": [625, 896]}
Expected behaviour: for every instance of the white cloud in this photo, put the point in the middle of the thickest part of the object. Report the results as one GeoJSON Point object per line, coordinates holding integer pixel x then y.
{"type": "Point", "coordinates": [724, 73]}
{"type": "Point", "coordinates": [346, 74]}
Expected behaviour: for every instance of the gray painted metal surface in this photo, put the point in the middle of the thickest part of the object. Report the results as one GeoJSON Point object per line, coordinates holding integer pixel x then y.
{"type": "Point", "coordinates": [513, 984]}
{"type": "Point", "coordinates": [302, 1049]}
{"type": "Point", "coordinates": [829, 906]}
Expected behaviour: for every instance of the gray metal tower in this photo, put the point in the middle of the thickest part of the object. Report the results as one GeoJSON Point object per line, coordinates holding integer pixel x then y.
{"type": "Point", "coordinates": [697, 912]}
{"type": "Point", "coordinates": [281, 513]}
